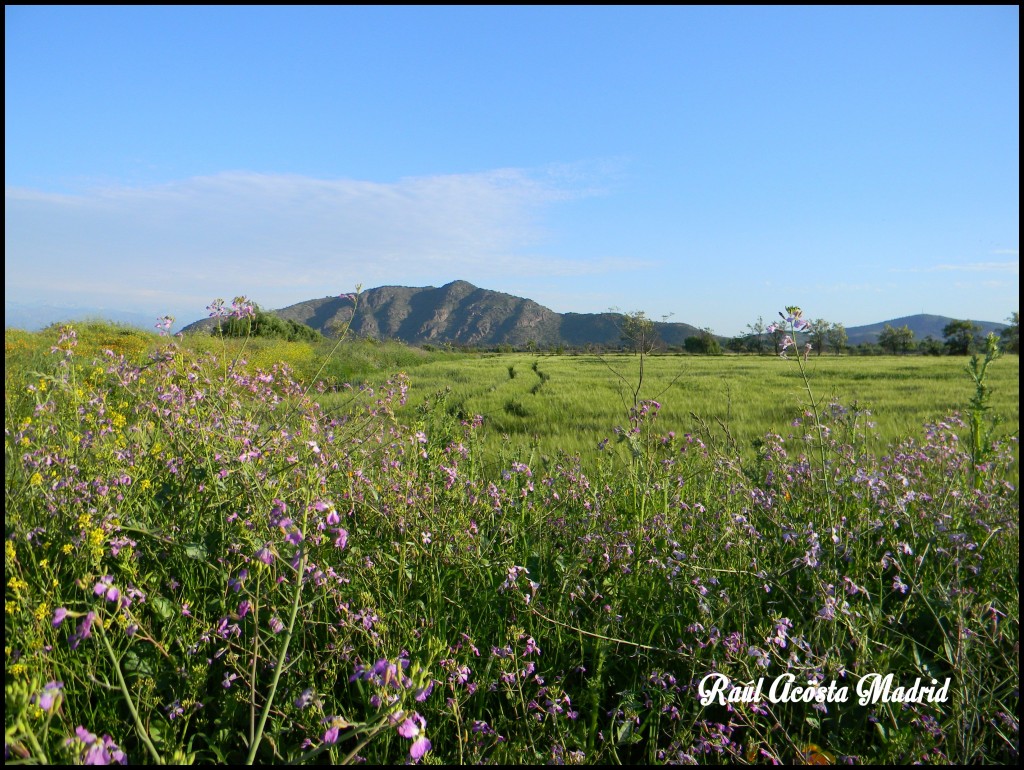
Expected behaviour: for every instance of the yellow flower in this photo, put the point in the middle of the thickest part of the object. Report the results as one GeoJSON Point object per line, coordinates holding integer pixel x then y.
{"type": "Point", "coordinates": [36, 480]}
{"type": "Point", "coordinates": [67, 548]}
{"type": "Point", "coordinates": [16, 584]}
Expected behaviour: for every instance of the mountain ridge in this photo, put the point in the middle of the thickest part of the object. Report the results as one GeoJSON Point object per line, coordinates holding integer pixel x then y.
{"type": "Point", "coordinates": [462, 314]}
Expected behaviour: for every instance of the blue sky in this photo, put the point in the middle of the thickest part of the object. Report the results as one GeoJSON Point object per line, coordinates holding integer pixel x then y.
{"type": "Point", "coordinates": [713, 164]}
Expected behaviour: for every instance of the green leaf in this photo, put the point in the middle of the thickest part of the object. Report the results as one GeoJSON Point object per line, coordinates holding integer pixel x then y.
{"type": "Point", "coordinates": [162, 607]}
{"type": "Point", "coordinates": [133, 664]}
{"type": "Point", "coordinates": [196, 551]}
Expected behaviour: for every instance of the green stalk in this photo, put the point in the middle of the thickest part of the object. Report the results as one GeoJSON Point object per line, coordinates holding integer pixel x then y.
{"type": "Point", "coordinates": [139, 727]}
{"type": "Point", "coordinates": [821, 436]}
{"type": "Point", "coordinates": [280, 661]}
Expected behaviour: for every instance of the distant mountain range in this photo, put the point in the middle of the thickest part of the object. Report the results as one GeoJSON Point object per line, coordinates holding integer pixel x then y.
{"type": "Point", "coordinates": [922, 325]}
{"type": "Point", "coordinates": [463, 314]}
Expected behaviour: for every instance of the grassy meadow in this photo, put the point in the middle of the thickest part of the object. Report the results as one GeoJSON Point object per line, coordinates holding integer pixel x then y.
{"type": "Point", "coordinates": [256, 551]}
{"type": "Point", "coordinates": [571, 403]}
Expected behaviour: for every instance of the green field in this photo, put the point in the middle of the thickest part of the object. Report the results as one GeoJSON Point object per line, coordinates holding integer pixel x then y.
{"type": "Point", "coordinates": [579, 400]}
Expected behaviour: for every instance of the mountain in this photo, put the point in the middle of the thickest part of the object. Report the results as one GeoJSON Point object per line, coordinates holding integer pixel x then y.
{"type": "Point", "coordinates": [462, 314]}
{"type": "Point", "coordinates": [922, 324]}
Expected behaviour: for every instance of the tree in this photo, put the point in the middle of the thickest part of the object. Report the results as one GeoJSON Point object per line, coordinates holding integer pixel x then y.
{"type": "Point", "coordinates": [837, 338]}
{"type": "Point", "coordinates": [1011, 334]}
{"type": "Point", "coordinates": [638, 332]}
{"type": "Point", "coordinates": [739, 345]}
{"type": "Point", "coordinates": [819, 334]}
{"type": "Point", "coordinates": [264, 324]}
{"type": "Point", "coordinates": [959, 335]}
{"type": "Point", "coordinates": [930, 346]}
{"type": "Point", "coordinates": [755, 338]}
{"type": "Point", "coordinates": [895, 341]}
{"type": "Point", "coordinates": [777, 334]}
{"type": "Point", "coordinates": [704, 343]}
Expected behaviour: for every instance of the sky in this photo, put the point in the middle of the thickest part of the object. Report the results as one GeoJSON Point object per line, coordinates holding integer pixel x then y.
{"type": "Point", "coordinates": [707, 165]}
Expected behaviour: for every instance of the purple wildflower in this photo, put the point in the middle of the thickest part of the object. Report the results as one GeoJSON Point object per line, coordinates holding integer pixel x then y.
{"type": "Point", "coordinates": [760, 656]}
{"type": "Point", "coordinates": [97, 751]}
{"type": "Point", "coordinates": [49, 697]}
{"type": "Point", "coordinates": [105, 588]}
{"type": "Point", "coordinates": [84, 631]}
{"type": "Point", "coordinates": [419, 747]}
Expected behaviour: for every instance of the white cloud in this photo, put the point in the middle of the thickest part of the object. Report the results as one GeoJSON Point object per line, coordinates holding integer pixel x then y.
{"type": "Point", "coordinates": [971, 267]}
{"type": "Point", "coordinates": [284, 238]}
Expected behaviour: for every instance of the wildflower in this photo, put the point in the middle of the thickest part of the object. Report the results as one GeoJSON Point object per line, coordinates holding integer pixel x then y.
{"type": "Point", "coordinates": [760, 656]}
{"type": "Point", "coordinates": [235, 584]}
{"type": "Point", "coordinates": [84, 631]}
{"type": "Point", "coordinates": [304, 699]}
{"type": "Point", "coordinates": [174, 710]}
{"type": "Point", "coordinates": [58, 616]}
{"type": "Point", "coordinates": [105, 588]}
{"type": "Point", "coordinates": [419, 747]}
{"type": "Point", "coordinates": [49, 697]}
{"type": "Point", "coordinates": [276, 624]}
{"type": "Point", "coordinates": [242, 307]}
{"type": "Point", "coordinates": [828, 611]}
{"type": "Point", "coordinates": [164, 325]}
{"type": "Point", "coordinates": [787, 342]}
{"type": "Point", "coordinates": [94, 750]}
{"type": "Point", "coordinates": [411, 727]}
{"type": "Point", "coordinates": [781, 627]}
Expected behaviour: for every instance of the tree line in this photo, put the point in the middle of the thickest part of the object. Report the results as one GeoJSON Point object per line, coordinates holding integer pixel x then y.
{"type": "Point", "coordinates": [959, 337]}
